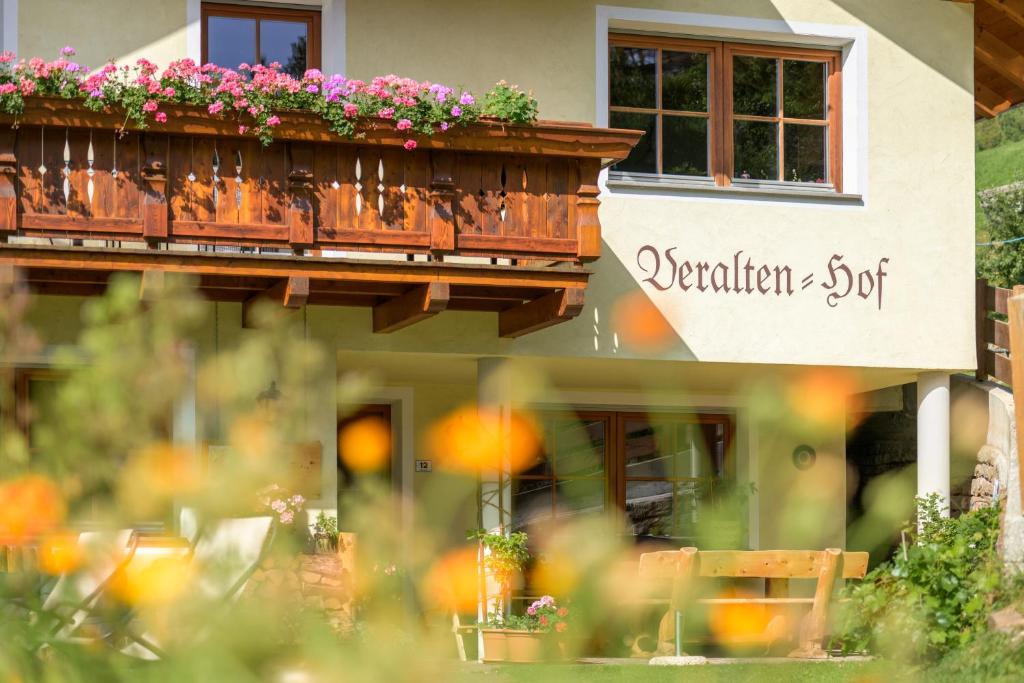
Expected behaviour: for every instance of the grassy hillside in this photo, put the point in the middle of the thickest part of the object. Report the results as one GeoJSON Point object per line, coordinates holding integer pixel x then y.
{"type": "Point", "coordinates": [999, 165]}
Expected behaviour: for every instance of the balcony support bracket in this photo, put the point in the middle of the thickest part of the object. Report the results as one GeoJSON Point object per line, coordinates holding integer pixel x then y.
{"type": "Point", "coordinates": [546, 311]}
{"type": "Point", "coordinates": [154, 192]}
{"type": "Point", "coordinates": [300, 205]}
{"type": "Point", "coordinates": [290, 293]}
{"type": "Point", "coordinates": [419, 303]}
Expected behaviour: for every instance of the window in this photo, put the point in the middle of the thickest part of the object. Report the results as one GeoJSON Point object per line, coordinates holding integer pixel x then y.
{"type": "Point", "coordinates": [729, 112]}
{"type": "Point", "coordinates": [233, 35]}
{"type": "Point", "coordinates": [659, 469]}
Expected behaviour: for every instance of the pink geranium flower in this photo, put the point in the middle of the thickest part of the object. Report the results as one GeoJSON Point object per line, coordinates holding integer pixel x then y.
{"type": "Point", "coordinates": [273, 120]}
{"type": "Point", "coordinates": [160, 117]}
{"type": "Point", "coordinates": [410, 145]}
{"type": "Point", "coordinates": [404, 124]}
{"type": "Point", "coordinates": [215, 107]}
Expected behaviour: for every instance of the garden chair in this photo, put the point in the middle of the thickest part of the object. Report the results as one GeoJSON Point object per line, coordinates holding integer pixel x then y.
{"type": "Point", "coordinates": [76, 593]}
{"type": "Point", "coordinates": [225, 556]}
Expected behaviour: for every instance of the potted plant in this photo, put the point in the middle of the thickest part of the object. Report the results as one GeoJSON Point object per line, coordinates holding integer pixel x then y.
{"type": "Point", "coordinates": [516, 638]}
{"type": "Point", "coordinates": [530, 637]}
{"type": "Point", "coordinates": [325, 534]}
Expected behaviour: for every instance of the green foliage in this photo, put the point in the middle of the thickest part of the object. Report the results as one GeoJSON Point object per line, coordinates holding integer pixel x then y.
{"type": "Point", "coordinates": [1003, 210]}
{"type": "Point", "coordinates": [1006, 128]}
{"type": "Point", "coordinates": [934, 595]}
{"type": "Point", "coordinates": [994, 658]}
{"type": "Point", "coordinates": [507, 554]}
{"type": "Point", "coordinates": [508, 103]}
{"type": "Point", "coordinates": [325, 531]}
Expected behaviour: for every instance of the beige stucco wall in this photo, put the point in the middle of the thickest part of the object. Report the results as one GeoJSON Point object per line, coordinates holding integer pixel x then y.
{"type": "Point", "coordinates": [110, 29]}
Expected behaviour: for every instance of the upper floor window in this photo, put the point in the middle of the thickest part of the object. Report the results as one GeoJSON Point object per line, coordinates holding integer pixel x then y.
{"type": "Point", "coordinates": [234, 34]}
{"type": "Point", "coordinates": [735, 113]}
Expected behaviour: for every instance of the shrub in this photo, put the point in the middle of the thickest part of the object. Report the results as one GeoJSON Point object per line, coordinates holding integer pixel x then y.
{"type": "Point", "coordinates": [934, 595]}
{"type": "Point", "coordinates": [1003, 210]}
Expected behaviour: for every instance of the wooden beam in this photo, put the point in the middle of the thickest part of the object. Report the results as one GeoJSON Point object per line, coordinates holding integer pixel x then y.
{"type": "Point", "coordinates": [415, 305]}
{"type": "Point", "coordinates": [1011, 9]}
{"type": "Point", "coordinates": [291, 292]}
{"type": "Point", "coordinates": [546, 311]}
{"type": "Point", "coordinates": [998, 56]}
{"type": "Point", "coordinates": [989, 100]}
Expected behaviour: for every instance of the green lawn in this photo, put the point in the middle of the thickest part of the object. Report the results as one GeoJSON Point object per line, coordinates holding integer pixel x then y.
{"type": "Point", "coordinates": [799, 672]}
{"type": "Point", "coordinates": [999, 165]}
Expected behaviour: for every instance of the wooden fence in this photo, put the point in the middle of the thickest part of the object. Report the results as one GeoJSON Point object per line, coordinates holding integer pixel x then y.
{"type": "Point", "coordinates": [993, 332]}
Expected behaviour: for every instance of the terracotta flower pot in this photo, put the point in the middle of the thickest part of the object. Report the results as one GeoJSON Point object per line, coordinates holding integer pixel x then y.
{"type": "Point", "coordinates": [519, 647]}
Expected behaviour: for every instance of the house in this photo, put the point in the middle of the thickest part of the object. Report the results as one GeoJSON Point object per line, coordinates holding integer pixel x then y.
{"type": "Point", "coordinates": [692, 309]}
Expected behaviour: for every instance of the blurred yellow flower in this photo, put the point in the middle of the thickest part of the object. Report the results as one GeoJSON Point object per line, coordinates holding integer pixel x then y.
{"type": "Point", "coordinates": [29, 506]}
{"type": "Point", "coordinates": [59, 553]}
{"type": "Point", "coordinates": [365, 444]}
{"type": "Point", "coordinates": [557, 574]}
{"type": "Point", "coordinates": [157, 473]}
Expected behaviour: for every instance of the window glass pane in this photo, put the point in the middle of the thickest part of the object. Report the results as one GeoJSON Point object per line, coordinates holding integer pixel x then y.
{"type": "Point", "coordinates": [756, 150]}
{"type": "Point", "coordinates": [284, 42]}
{"type": "Point", "coordinates": [579, 448]}
{"type": "Point", "coordinates": [685, 141]}
{"type": "Point", "coordinates": [633, 79]}
{"type": "Point", "coordinates": [231, 41]}
{"type": "Point", "coordinates": [805, 153]}
{"type": "Point", "coordinates": [649, 448]}
{"type": "Point", "coordinates": [531, 502]}
{"type": "Point", "coordinates": [684, 81]}
{"type": "Point", "coordinates": [578, 497]}
{"type": "Point", "coordinates": [803, 89]}
{"type": "Point", "coordinates": [649, 508]}
{"type": "Point", "coordinates": [754, 86]}
{"type": "Point", "coordinates": [643, 158]}
{"type": "Point", "coordinates": [692, 455]}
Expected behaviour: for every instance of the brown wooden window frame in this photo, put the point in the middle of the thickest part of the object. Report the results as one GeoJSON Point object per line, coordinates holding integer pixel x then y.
{"type": "Point", "coordinates": [310, 16]}
{"type": "Point", "coordinates": [720, 113]}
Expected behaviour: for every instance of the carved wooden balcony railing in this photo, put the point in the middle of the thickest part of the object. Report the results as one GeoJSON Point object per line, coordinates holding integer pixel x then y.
{"type": "Point", "coordinates": [201, 198]}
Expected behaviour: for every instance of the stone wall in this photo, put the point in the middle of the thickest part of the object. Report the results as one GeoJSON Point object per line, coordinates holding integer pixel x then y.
{"type": "Point", "coordinates": [324, 582]}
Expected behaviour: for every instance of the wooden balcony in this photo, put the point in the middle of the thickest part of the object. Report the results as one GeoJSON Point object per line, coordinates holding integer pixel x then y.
{"type": "Point", "coordinates": [81, 199]}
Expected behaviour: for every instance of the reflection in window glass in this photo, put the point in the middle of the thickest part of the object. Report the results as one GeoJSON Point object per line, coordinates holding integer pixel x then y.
{"type": "Point", "coordinates": [231, 41]}
{"type": "Point", "coordinates": [284, 42]}
{"type": "Point", "coordinates": [578, 497]}
{"type": "Point", "coordinates": [644, 157]}
{"type": "Point", "coordinates": [803, 89]}
{"type": "Point", "coordinates": [579, 447]}
{"type": "Point", "coordinates": [805, 153]}
{"type": "Point", "coordinates": [684, 77]}
{"type": "Point", "coordinates": [633, 77]}
{"type": "Point", "coordinates": [756, 150]}
{"type": "Point", "coordinates": [531, 502]}
{"type": "Point", "coordinates": [685, 145]}
{"type": "Point", "coordinates": [754, 86]}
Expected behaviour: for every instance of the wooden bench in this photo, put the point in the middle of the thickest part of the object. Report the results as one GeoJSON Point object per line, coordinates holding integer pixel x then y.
{"type": "Point", "coordinates": [685, 567]}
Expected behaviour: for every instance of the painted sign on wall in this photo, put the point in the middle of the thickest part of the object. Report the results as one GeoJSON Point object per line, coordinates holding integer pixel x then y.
{"type": "Point", "coordinates": [744, 275]}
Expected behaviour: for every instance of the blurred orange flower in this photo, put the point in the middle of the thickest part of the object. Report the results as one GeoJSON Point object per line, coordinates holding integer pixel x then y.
{"type": "Point", "coordinates": [29, 506]}
{"type": "Point", "coordinates": [825, 396]}
{"type": "Point", "coordinates": [471, 439]}
{"type": "Point", "coordinates": [640, 325]}
{"type": "Point", "coordinates": [739, 623]}
{"type": "Point", "coordinates": [59, 553]}
{"type": "Point", "coordinates": [365, 444]}
{"type": "Point", "coordinates": [453, 581]}
{"type": "Point", "coordinates": [156, 581]}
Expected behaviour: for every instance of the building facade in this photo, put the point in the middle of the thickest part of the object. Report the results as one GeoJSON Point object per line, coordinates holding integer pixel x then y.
{"type": "Point", "coordinates": [798, 217]}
